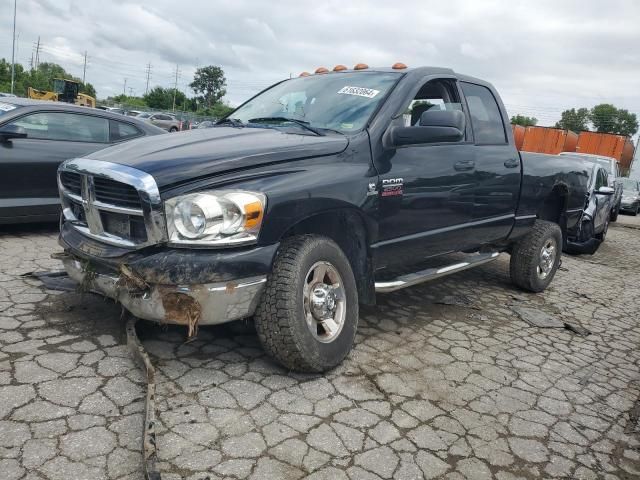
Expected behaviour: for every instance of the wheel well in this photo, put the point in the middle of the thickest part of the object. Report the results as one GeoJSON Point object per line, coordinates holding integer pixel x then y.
{"type": "Point", "coordinates": [555, 205]}
{"type": "Point", "coordinates": [554, 208]}
{"type": "Point", "coordinates": [348, 230]}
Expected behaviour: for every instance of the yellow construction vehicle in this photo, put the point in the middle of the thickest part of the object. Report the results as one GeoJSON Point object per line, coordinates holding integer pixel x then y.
{"type": "Point", "coordinates": [64, 91]}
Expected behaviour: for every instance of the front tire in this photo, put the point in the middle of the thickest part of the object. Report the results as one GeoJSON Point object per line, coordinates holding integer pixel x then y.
{"type": "Point", "coordinates": [173, 130]}
{"type": "Point", "coordinates": [536, 257]}
{"type": "Point", "coordinates": [308, 313]}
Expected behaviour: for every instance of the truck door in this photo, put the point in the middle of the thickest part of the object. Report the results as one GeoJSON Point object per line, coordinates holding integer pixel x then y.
{"type": "Point", "coordinates": [497, 166]}
{"type": "Point", "coordinates": [426, 190]}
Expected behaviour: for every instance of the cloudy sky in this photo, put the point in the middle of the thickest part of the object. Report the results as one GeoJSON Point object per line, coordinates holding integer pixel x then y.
{"type": "Point", "coordinates": [543, 56]}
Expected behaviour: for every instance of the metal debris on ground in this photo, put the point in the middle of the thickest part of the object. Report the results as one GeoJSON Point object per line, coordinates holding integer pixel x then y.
{"type": "Point", "coordinates": [58, 280]}
{"type": "Point", "coordinates": [577, 329]}
{"type": "Point", "coordinates": [538, 318]}
{"type": "Point", "coordinates": [456, 300]}
{"type": "Point", "coordinates": [149, 447]}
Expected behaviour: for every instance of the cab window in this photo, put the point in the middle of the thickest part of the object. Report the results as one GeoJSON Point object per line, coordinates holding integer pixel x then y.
{"type": "Point", "coordinates": [486, 119]}
{"type": "Point", "coordinates": [65, 126]}
{"type": "Point", "coordinates": [601, 179]}
{"type": "Point", "coordinates": [434, 95]}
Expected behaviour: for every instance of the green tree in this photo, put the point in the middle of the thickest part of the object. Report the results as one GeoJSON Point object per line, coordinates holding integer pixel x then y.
{"type": "Point", "coordinates": [576, 120]}
{"type": "Point", "coordinates": [524, 120]}
{"type": "Point", "coordinates": [607, 118]}
{"type": "Point", "coordinates": [162, 98]}
{"type": "Point", "coordinates": [40, 79]}
{"type": "Point", "coordinates": [210, 82]}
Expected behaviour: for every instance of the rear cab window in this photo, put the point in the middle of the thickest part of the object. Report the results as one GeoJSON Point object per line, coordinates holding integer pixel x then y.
{"type": "Point", "coordinates": [486, 119]}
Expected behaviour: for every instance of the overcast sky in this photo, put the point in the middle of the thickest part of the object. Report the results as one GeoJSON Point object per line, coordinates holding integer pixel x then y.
{"type": "Point", "coordinates": [543, 56]}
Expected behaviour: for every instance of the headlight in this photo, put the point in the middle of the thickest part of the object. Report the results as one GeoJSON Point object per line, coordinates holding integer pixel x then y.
{"type": "Point", "coordinates": [217, 218]}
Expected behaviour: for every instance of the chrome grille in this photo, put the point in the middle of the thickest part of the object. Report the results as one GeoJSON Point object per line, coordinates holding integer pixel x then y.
{"type": "Point", "coordinates": [116, 193]}
{"type": "Point", "coordinates": [113, 203]}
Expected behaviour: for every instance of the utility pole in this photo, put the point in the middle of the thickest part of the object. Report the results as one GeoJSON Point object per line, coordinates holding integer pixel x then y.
{"type": "Point", "coordinates": [148, 76]}
{"type": "Point", "coordinates": [124, 89]}
{"type": "Point", "coordinates": [175, 89]}
{"type": "Point", "coordinates": [13, 48]}
{"type": "Point", "coordinates": [131, 91]}
{"type": "Point", "coordinates": [38, 53]}
{"type": "Point", "coordinates": [84, 68]}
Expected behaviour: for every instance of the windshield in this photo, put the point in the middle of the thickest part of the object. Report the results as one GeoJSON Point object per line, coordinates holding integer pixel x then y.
{"type": "Point", "coordinates": [143, 115]}
{"type": "Point", "coordinates": [629, 185]}
{"type": "Point", "coordinates": [6, 107]}
{"type": "Point", "coordinates": [605, 163]}
{"type": "Point", "coordinates": [336, 101]}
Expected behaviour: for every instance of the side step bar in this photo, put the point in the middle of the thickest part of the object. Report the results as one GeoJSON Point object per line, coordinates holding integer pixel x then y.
{"type": "Point", "coordinates": [411, 279]}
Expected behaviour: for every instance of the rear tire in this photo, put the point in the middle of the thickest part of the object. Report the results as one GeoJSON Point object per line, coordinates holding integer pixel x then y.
{"type": "Point", "coordinates": [173, 130]}
{"type": "Point", "coordinates": [614, 214]}
{"type": "Point", "coordinates": [635, 212]}
{"type": "Point", "coordinates": [536, 257]}
{"type": "Point", "coordinates": [307, 319]}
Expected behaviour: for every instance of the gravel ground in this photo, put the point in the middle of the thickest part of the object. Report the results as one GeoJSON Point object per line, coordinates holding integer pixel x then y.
{"type": "Point", "coordinates": [446, 381]}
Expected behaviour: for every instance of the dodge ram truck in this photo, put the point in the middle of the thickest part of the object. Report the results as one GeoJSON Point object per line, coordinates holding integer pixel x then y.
{"type": "Point", "coordinates": [311, 198]}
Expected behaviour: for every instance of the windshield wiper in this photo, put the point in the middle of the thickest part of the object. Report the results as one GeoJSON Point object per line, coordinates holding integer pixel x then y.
{"type": "Point", "coordinates": [300, 123]}
{"type": "Point", "coordinates": [233, 121]}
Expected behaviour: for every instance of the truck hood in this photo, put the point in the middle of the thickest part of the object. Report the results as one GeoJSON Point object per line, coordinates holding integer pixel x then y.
{"type": "Point", "coordinates": [178, 157]}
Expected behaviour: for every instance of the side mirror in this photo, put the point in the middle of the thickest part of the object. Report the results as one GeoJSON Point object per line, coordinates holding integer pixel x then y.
{"type": "Point", "coordinates": [434, 127]}
{"type": "Point", "coordinates": [605, 191]}
{"type": "Point", "coordinates": [9, 132]}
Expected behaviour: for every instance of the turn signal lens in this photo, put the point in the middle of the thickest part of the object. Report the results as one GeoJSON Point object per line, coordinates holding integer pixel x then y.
{"type": "Point", "coordinates": [339, 68]}
{"type": "Point", "coordinates": [399, 66]}
{"type": "Point", "coordinates": [361, 66]}
{"type": "Point", "coordinates": [304, 74]}
{"type": "Point", "coordinates": [322, 70]}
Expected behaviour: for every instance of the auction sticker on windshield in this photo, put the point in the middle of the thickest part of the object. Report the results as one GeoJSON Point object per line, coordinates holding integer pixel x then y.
{"type": "Point", "coordinates": [6, 107]}
{"type": "Point", "coordinates": [359, 91]}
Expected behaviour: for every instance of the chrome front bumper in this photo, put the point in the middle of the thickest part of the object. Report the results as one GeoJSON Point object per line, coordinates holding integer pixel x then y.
{"type": "Point", "coordinates": [214, 303]}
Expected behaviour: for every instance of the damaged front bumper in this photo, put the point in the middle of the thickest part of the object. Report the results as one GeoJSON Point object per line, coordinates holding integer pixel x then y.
{"type": "Point", "coordinates": [203, 304]}
{"type": "Point", "coordinates": [181, 286]}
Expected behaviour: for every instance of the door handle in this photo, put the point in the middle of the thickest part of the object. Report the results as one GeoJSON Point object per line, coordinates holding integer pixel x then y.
{"type": "Point", "coordinates": [512, 163]}
{"type": "Point", "coordinates": [463, 166]}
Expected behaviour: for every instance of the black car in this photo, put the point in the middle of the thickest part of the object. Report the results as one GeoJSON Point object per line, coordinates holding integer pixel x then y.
{"type": "Point", "coordinates": [630, 196]}
{"type": "Point", "coordinates": [596, 215]}
{"type": "Point", "coordinates": [36, 136]}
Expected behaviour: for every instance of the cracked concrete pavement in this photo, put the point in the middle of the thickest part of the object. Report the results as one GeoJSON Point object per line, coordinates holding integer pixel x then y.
{"type": "Point", "coordinates": [445, 381]}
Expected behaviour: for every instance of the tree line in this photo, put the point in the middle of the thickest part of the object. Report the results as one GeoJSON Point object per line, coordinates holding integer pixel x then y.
{"type": "Point", "coordinates": [40, 78]}
{"type": "Point", "coordinates": [209, 84]}
{"type": "Point", "coordinates": [603, 118]}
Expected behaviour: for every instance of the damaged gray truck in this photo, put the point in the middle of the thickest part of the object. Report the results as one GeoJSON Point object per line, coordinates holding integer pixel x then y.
{"type": "Point", "coordinates": [309, 199]}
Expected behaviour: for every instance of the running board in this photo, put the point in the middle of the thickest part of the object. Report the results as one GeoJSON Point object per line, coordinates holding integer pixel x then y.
{"type": "Point", "coordinates": [411, 279]}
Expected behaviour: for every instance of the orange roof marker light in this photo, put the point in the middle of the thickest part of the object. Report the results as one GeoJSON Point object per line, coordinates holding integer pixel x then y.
{"type": "Point", "coordinates": [339, 68]}
{"type": "Point", "coordinates": [399, 66]}
{"type": "Point", "coordinates": [361, 66]}
{"type": "Point", "coordinates": [304, 74]}
{"type": "Point", "coordinates": [320, 70]}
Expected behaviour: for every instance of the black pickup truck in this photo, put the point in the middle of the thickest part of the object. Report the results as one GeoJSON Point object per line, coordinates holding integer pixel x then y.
{"type": "Point", "coordinates": [309, 199]}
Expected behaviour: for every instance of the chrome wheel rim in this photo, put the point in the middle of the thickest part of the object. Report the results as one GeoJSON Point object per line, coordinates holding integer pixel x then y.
{"type": "Point", "coordinates": [547, 258]}
{"type": "Point", "coordinates": [324, 302]}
